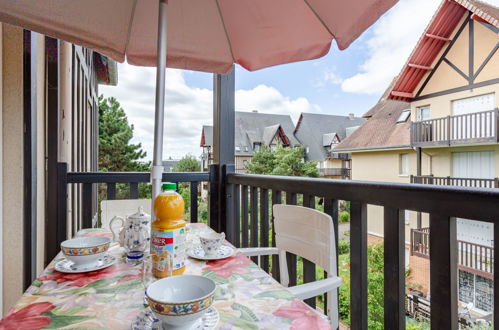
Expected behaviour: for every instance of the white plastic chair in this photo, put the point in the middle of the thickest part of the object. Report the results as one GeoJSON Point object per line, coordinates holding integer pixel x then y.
{"type": "Point", "coordinates": [308, 233]}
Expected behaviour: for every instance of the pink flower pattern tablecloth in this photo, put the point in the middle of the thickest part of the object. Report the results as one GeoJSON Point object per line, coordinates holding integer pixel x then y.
{"type": "Point", "coordinates": [246, 297]}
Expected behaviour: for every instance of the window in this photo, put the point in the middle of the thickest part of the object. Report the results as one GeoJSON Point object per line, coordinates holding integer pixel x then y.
{"type": "Point", "coordinates": [403, 116]}
{"type": "Point", "coordinates": [423, 113]}
{"type": "Point", "coordinates": [404, 164]}
{"type": "Point", "coordinates": [407, 217]}
{"type": "Point", "coordinates": [256, 146]}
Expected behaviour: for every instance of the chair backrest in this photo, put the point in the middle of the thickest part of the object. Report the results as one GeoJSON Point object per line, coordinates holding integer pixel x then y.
{"type": "Point", "coordinates": [122, 208]}
{"type": "Point", "coordinates": [307, 233]}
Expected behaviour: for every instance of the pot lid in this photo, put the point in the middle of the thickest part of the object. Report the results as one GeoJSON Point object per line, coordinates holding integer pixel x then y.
{"type": "Point", "coordinates": [140, 214]}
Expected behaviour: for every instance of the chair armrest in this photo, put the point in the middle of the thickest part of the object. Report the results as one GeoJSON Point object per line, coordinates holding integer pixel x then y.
{"type": "Point", "coordinates": [313, 289]}
{"type": "Point", "coordinates": [251, 252]}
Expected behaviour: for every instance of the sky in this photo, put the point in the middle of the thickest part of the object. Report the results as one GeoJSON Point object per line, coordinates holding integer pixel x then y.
{"type": "Point", "coordinates": [342, 82]}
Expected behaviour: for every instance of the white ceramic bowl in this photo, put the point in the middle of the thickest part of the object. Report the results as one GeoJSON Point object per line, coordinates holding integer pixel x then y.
{"type": "Point", "coordinates": [85, 250]}
{"type": "Point", "coordinates": [180, 300]}
{"type": "Point", "coordinates": [211, 241]}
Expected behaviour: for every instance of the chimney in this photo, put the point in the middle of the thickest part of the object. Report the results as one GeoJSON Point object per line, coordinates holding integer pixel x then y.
{"type": "Point", "coordinates": [254, 110]}
{"type": "Point", "coordinates": [351, 116]}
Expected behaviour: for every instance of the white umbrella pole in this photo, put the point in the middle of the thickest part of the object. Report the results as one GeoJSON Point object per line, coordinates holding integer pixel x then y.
{"type": "Point", "coordinates": [157, 165]}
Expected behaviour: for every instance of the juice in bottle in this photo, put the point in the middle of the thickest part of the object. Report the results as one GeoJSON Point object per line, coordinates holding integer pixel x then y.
{"type": "Point", "coordinates": [168, 236]}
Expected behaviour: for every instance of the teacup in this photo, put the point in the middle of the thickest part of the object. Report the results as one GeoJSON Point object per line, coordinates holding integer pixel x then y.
{"type": "Point", "coordinates": [211, 241]}
{"type": "Point", "coordinates": [85, 250]}
{"type": "Point", "coordinates": [180, 301]}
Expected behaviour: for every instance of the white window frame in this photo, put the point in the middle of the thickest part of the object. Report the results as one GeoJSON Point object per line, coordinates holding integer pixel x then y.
{"type": "Point", "coordinates": [404, 164]}
{"type": "Point", "coordinates": [421, 110]}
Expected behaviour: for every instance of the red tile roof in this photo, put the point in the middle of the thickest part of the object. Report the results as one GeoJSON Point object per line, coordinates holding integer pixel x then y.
{"type": "Point", "coordinates": [434, 38]}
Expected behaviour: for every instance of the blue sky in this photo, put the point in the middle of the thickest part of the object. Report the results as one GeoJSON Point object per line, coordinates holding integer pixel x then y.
{"type": "Point", "coordinates": [342, 82]}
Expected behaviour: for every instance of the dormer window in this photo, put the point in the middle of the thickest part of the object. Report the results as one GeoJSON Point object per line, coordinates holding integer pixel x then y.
{"type": "Point", "coordinates": [403, 116]}
{"type": "Point", "coordinates": [256, 146]}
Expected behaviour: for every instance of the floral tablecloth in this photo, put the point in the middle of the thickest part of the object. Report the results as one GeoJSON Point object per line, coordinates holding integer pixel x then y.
{"type": "Point", "coordinates": [246, 297]}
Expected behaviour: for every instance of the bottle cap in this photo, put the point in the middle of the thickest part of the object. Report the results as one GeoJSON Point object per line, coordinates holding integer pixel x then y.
{"type": "Point", "coordinates": [169, 186]}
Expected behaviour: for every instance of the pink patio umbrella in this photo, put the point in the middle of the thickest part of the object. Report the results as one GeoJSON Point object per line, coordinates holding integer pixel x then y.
{"type": "Point", "coordinates": [202, 35]}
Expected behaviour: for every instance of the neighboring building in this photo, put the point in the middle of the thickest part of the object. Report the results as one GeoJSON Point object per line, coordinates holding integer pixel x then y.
{"type": "Point", "coordinates": [253, 131]}
{"type": "Point", "coordinates": [320, 134]}
{"type": "Point", "coordinates": [169, 165]}
{"type": "Point", "coordinates": [437, 123]}
{"type": "Point", "coordinates": [48, 114]}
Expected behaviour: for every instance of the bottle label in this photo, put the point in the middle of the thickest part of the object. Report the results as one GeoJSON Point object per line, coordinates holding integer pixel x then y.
{"type": "Point", "coordinates": [169, 243]}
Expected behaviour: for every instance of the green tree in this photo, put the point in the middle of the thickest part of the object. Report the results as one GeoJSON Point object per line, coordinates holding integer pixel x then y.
{"type": "Point", "coordinates": [282, 161]}
{"type": "Point", "coordinates": [188, 163]}
{"type": "Point", "coordinates": [116, 153]}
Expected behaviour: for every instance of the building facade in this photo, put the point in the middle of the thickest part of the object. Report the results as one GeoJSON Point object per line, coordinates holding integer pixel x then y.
{"type": "Point", "coordinates": [320, 134]}
{"type": "Point", "coordinates": [254, 130]}
{"type": "Point", "coordinates": [48, 114]}
{"type": "Point", "coordinates": [437, 124]}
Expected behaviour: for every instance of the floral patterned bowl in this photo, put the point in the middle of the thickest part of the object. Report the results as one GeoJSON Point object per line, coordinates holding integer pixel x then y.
{"type": "Point", "coordinates": [180, 300]}
{"type": "Point", "coordinates": [85, 250]}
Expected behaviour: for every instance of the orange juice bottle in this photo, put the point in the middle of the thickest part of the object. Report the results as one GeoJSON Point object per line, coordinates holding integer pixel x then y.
{"type": "Point", "coordinates": [168, 233]}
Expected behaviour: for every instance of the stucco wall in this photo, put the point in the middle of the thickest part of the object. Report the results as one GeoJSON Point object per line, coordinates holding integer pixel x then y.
{"type": "Point", "coordinates": [384, 166]}
{"type": "Point", "coordinates": [12, 170]}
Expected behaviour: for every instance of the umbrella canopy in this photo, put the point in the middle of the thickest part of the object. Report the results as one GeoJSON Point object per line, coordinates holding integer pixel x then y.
{"type": "Point", "coordinates": [203, 35]}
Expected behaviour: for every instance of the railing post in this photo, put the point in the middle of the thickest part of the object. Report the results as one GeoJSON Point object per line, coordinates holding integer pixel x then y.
{"type": "Point", "coordinates": [214, 199]}
{"type": "Point", "coordinates": [358, 266]}
{"type": "Point", "coordinates": [449, 129]}
{"type": "Point", "coordinates": [87, 210]}
{"type": "Point", "coordinates": [443, 272]}
{"type": "Point", "coordinates": [394, 269]}
{"type": "Point", "coordinates": [62, 210]}
{"type": "Point", "coordinates": [227, 204]}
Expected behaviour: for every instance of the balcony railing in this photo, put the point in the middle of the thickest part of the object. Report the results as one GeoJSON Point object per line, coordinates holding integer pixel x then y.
{"type": "Point", "coordinates": [472, 257]}
{"type": "Point", "coordinates": [339, 155]}
{"type": "Point", "coordinates": [478, 127]}
{"type": "Point", "coordinates": [249, 207]}
{"type": "Point", "coordinates": [241, 206]}
{"type": "Point", "coordinates": [340, 172]}
{"type": "Point", "coordinates": [453, 181]}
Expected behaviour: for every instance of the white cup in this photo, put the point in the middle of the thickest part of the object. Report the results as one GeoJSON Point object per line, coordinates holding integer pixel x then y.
{"type": "Point", "coordinates": [211, 241]}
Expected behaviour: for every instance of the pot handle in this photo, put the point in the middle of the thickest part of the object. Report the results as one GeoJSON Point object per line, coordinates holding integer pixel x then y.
{"type": "Point", "coordinates": [116, 231]}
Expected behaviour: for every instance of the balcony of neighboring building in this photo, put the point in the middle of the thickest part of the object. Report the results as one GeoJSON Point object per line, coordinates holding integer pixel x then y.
{"type": "Point", "coordinates": [343, 173]}
{"type": "Point", "coordinates": [470, 128]}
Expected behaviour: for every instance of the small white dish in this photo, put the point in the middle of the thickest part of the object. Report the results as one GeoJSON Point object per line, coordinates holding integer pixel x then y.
{"type": "Point", "coordinates": [211, 241]}
{"type": "Point", "coordinates": [197, 252]}
{"type": "Point", "coordinates": [67, 266]}
{"type": "Point", "coordinates": [147, 321]}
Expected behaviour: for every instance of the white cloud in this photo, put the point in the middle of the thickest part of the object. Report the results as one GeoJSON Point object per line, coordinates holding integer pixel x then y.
{"type": "Point", "coordinates": [187, 108]}
{"type": "Point", "coordinates": [394, 37]}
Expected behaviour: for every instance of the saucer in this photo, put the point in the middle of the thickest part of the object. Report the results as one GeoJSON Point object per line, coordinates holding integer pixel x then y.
{"type": "Point", "coordinates": [197, 252]}
{"type": "Point", "coordinates": [67, 266]}
{"type": "Point", "coordinates": [147, 321]}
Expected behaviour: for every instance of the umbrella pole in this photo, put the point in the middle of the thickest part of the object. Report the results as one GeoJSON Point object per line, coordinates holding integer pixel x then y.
{"type": "Point", "coordinates": [157, 165]}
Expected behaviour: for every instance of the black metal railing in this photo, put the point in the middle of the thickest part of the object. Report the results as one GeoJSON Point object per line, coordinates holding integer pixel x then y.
{"type": "Point", "coordinates": [477, 127]}
{"type": "Point", "coordinates": [84, 188]}
{"type": "Point", "coordinates": [342, 172]}
{"type": "Point", "coordinates": [472, 257]}
{"type": "Point", "coordinates": [453, 181]}
{"type": "Point", "coordinates": [249, 223]}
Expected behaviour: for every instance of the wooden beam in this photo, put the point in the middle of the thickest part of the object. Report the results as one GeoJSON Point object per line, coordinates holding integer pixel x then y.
{"type": "Point", "coordinates": [402, 94]}
{"type": "Point", "coordinates": [434, 36]}
{"type": "Point", "coordinates": [417, 66]}
{"type": "Point", "coordinates": [478, 19]}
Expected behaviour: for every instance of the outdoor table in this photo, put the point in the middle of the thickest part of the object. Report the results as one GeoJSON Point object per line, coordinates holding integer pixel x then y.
{"type": "Point", "coordinates": [246, 297]}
